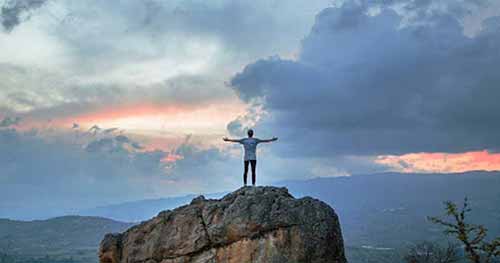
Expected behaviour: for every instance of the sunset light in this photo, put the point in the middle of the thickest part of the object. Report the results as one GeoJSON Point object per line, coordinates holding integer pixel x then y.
{"type": "Point", "coordinates": [156, 119]}
{"type": "Point", "coordinates": [238, 131]}
{"type": "Point", "coordinates": [442, 162]}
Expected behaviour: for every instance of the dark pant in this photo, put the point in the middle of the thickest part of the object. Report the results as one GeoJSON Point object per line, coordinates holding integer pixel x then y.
{"type": "Point", "coordinates": [253, 163]}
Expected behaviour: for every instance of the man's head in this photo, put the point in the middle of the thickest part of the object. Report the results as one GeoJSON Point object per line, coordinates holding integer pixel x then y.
{"type": "Point", "coordinates": [250, 133]}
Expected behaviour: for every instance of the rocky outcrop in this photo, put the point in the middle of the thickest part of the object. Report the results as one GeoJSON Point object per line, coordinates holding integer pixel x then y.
{"type": "Point", "coordinates": [252, 224]}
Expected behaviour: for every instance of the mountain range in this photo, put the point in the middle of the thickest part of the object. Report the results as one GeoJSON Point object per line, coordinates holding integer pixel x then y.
{"type": "Point", "coordinates": [379, 212]}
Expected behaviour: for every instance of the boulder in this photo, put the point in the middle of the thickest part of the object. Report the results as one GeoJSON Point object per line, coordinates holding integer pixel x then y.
{"type": "Point", "coordinates": [252, 224]}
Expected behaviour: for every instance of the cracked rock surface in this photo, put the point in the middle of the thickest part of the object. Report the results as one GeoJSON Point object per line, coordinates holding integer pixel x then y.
{"type": "Point", "coordinates": [252, 224]}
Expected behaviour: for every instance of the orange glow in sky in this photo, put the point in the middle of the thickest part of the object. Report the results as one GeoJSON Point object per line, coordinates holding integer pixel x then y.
{"type": "Point", "coordinates": [155, 119]}
{"type": "Point", "coordinates": [165, 127]}
{"type": "Point", "coordinates": [172, 158]}
{"type": "Point", "coordinates": [442, 162]}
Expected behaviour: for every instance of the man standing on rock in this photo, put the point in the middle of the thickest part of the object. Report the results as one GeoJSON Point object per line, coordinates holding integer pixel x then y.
{"type": "Point", "coordinates": [250, 157]}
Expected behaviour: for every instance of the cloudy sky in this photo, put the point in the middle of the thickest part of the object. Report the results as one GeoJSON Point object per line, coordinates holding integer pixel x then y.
{"type": "Point", "coordinates": [109, 101]}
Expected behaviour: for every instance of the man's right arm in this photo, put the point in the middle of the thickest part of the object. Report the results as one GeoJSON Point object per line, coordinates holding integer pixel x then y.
{"type": "Point", "coordinates": [231, 140]}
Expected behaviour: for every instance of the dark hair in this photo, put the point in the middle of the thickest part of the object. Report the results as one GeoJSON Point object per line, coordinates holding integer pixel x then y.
{"type": "Point", "coordinates": [250, 132]}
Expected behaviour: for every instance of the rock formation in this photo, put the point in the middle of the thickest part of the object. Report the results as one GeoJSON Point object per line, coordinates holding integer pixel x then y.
{"type": "Point", "coordinates": [252, 224]}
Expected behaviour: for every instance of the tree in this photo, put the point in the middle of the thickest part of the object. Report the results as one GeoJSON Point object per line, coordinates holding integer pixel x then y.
{"type": "Point", "coordinates": [472, 236]}
{"type": "Point", "coordinates": [428, 252]}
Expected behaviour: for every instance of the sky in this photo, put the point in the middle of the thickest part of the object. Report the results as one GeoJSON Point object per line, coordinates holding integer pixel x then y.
{"type": "Point", "coordinates": [103, 102]}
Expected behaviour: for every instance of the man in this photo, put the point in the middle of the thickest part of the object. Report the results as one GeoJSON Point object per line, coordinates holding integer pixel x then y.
{"type": "Point", "coordinates": [250, 157]}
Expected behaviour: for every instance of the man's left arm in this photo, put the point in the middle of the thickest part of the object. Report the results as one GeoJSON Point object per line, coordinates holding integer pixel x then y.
{"type": "Point", "coordinates": [269, 140]}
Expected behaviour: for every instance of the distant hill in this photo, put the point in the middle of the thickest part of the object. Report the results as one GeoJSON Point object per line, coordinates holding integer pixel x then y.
{"type": "Point", "coordinates": [380, 210]}
{"type": "Point", "coordinates": [60, 236]}
{"type": "Point", "coordinates": [143, 209]}
{"type": "Point", "coordinates": [390, 209]}
{"type": "Point", "coordinates": [379, 214]}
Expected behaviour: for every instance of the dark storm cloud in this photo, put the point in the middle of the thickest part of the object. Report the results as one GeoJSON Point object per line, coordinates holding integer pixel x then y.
{"type": "Point", "coordinates": [365, 85]}
{"type": "Point", "coordinates": [12, 10]}
{"type": "Point", "coordinates": [104, 171]}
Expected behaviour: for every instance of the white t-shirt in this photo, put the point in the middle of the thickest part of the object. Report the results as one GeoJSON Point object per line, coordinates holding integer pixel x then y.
{"type": "Point", "coordinates": [250, 145]}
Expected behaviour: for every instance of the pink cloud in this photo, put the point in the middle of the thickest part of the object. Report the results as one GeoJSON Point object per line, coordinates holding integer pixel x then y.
{"type": "Point", "coordinates": [442, 162]}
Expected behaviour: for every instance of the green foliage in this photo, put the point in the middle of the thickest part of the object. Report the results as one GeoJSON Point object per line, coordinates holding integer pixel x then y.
{"type": "Point", "coordinates": [470, 235]}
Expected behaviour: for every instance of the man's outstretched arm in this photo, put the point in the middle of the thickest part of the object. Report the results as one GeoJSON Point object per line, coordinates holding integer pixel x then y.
{"type": "Point", "coordinates": [269, 140]}
{"type": "Point", "coordinates": [230, 140]}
